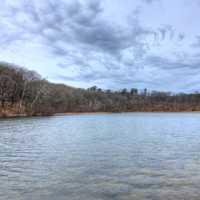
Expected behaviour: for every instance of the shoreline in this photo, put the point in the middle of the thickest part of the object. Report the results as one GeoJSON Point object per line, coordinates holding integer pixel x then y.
{"type": "Point", "coordinates": [99, 113]}
{"type": "Point", "coordinates": [88, 113]}
{"type": "Point", "coordinates": [83, 113]}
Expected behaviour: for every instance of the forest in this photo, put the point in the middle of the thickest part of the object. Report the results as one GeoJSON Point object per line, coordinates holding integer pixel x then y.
{"type": "Point", "coordinates": [26, 93]}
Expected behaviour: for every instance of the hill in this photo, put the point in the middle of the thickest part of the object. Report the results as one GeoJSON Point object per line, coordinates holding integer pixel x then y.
{"type": "Point", "coordinates": [26, 93]}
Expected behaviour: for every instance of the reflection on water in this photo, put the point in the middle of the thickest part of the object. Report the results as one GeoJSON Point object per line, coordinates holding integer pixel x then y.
{"type": "Point", "coordinates": [135, 156]}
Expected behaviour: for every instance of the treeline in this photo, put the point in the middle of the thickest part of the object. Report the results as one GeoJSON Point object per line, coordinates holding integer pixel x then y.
{"type": "Point", "coordinates": [24, 92]}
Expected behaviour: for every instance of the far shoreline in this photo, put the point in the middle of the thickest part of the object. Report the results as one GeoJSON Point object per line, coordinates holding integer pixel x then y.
{"type": "Point", "coordinates": [10, 116]}
{"type": "Point", "coordinates": [99, 113]}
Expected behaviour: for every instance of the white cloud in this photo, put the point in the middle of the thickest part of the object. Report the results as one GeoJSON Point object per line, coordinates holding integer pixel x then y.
{"type": "Point", "coordinates": [113, 45]}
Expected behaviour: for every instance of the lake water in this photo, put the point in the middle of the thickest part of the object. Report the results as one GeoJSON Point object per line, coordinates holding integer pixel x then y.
{"type": "Point", "coordinates": [133, 156]}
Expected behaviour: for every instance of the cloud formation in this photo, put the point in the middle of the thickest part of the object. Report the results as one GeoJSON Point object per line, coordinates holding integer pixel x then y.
{"type": "Point", "coordinates": [92, 48]}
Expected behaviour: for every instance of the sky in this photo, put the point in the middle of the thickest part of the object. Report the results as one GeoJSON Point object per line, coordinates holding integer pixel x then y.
{"type": "Point", "coordinates": [112, 44]}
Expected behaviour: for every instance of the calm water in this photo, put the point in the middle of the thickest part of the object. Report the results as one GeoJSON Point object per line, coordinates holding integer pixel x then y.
{"type": "Point", "coordinates": [136, 156]}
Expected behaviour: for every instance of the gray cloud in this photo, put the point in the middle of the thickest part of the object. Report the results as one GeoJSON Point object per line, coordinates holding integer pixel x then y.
{"type": "Point", "coordinates": [74, 23]}
{"type": "Point", "coordinates": [181, 36]}
{"type": "Point", "coordinates": [79, 35]}
{"type": "Point", "coordinates": [165, 32]}
{"type": "Point", "coordinates": [94, 76]}
{"type": "Point", "coordinates": [164, 63]}
{"type": "Point", "coordinates": [196, 44]}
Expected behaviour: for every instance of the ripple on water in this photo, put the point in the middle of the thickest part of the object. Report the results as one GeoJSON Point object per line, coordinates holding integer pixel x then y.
{"type": "Point", "coordinates": [101, 157]}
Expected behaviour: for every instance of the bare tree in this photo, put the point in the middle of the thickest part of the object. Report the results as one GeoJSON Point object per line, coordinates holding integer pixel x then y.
{"type": "Point", "coordinates": [7, 86]}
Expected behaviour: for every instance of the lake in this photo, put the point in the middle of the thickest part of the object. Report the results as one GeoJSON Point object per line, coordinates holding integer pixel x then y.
{"type": "Point", "coordinates": [127, 156]}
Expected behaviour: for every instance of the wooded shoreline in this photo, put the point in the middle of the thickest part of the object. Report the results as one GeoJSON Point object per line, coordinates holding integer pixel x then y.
{"type": "Point", "coordinates": [25, 93]}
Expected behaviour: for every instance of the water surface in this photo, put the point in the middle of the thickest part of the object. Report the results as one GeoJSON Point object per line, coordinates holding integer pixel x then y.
{"type": "Point", "coordinates": [133, 156]}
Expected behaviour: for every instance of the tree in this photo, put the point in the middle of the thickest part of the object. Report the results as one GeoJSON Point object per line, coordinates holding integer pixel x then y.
{"type": "Point", "coordinates": [7, 87]}
{"type": "Point", "coordinates": [134, 91]}
{"type": "Point", "coordinates": [124, 91]}
{"type": "Point", "coordinates": [92, 89]}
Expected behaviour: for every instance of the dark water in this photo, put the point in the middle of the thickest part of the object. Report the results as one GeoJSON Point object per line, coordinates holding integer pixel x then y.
{"type": "Point", "coordinates": [136, 156]}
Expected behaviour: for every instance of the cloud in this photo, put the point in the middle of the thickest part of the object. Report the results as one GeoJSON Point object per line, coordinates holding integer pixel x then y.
{"type": "Point", "coordinates": [181, 36]}
{"type": "Point", "coordinates": [167, 64]}
{"type": "Point", "coordinates": [59, 25]}
{"type": "Point", "coordinates": [196, 44]}
{"type": "Point", "coordinates": [167, 30]}
{"type": "Point", "coordinates": [91, 47]}
{"type": "Point", "coordinates": [149, 1]}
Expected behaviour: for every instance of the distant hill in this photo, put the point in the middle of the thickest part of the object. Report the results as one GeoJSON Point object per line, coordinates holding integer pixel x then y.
{"type": "Point", "coordinates": [24, 92]}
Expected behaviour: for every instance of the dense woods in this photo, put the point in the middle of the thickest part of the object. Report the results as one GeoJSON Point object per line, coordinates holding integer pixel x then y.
{"type": "Point", "coordinates": [24, 92]}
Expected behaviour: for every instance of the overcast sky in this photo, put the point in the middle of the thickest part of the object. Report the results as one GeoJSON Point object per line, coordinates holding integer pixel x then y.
{"type": "Point", "coordinates": [113, 44]}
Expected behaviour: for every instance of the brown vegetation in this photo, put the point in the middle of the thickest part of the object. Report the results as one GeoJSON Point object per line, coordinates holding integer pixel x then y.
{"type": "Point", "coordinates": [25, 93]}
